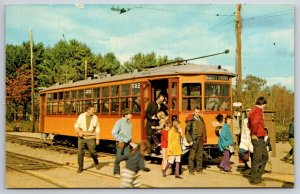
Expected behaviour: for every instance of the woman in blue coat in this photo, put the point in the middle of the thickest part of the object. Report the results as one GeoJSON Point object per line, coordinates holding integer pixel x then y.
{"type": "Point", "coordinates": [224, 143]}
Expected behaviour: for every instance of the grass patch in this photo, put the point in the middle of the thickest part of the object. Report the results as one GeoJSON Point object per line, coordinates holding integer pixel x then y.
{"type": "Point", "coordinates": [21, 126]}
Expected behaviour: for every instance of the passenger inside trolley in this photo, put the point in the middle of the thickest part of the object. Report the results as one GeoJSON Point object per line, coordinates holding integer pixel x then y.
{"type": "Point", "coordinates": [213, 103]}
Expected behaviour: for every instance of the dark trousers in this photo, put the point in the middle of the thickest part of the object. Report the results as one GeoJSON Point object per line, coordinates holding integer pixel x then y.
{"type": "Point", "coordinates": [260, 158]}
{"type": "Point", "coordinates": [196, 155]}
{"type": "Point", "coordinates": [83, 145]}
{"type": "Point", "coordinates": [119, 153]}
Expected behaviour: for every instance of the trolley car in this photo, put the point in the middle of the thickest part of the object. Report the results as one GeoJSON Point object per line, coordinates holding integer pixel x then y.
{"type": "Point", "coordinates": [185, 86]}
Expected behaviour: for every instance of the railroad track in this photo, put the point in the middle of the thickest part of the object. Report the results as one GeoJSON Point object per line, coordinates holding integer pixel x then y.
{"type": "Point", "coordinates": [49, 145]}
{"type": "Point", "coordinates": [27, 165]}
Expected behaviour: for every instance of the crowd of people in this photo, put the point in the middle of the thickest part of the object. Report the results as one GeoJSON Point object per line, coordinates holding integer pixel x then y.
{"type": "Point", "coordinates": [254, 143]}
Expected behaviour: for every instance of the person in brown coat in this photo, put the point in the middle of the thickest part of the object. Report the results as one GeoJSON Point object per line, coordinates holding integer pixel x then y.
{"type": "Point", "coordinates": [196, 135]}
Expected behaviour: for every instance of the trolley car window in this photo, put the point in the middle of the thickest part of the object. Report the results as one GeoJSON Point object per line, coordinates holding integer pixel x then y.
{"type": "Point", "coordinates": [104, 92]}
{"type": "Point", "coordinates": [136, 89]}
{"type": "Point", "coordinates": [67, 107]}
{"type": "Point", "coordinates": [96, 92]}
{"type": "Point", "coordinates": [191, 96]}
{"type": "Point", "coordinates": [88, 93]}
{"type": "Point", "coordinates": [125, 103]}
{"type": "Point", "coordinates": [115, 91]}
{"type": "Point", "coordinates": [125, 90]}
{"type": "Point", "coordinates": [49, 97]}
{"type": "Point", "coordinates": [67, 96]}
{"type": "Point", "coordinates": [61, 95]}
{"type": "Point", "coordinates": [60, 107]}
{"type": "Point", "coordinates": [136, 104]}
{"type": "Point", "coordinates": [54, 107]}
{"type": "Point", "coordinates": [104, 106]}
{"type": "Point", "coordinates": [80, 94]}
{"type": "Point", "coordinates": [49, 108]}
{"type": "Point", "coordinates": [73, 96]}
{"type": "Point", "coordinates": [73, 107]}
{"type": "Point", "coordinates": [79, 107]}
{"type": "Point", "coordinates": [55, 96]}
{"type": "Point", "coordinates": [115, 105]}
{"type": "Point", "coordinates": [97, 105]}
{"type": "Point", "coordinates": [217, 97]}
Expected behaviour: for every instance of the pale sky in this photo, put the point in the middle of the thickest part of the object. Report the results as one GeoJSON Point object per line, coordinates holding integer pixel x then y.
{"type": "Point", "coordinates": [185, 31]}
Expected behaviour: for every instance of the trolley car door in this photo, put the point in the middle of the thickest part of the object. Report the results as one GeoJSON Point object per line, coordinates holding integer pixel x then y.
{"type": "Point", "coordinates": [173, 98]}
{"type": "Point", "coordinates": [145, 99]}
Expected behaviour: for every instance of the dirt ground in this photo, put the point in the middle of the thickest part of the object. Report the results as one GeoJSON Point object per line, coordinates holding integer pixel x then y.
{"type": "Point", "coordinates": [282, 173]}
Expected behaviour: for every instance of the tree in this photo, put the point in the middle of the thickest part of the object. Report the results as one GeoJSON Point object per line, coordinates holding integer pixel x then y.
{"type": "Point", "coordinates": [18, 90]}
{"type": "Point", "coordinates": [252, 89]}
{"type": "Point", "coordinates": [140, 61]}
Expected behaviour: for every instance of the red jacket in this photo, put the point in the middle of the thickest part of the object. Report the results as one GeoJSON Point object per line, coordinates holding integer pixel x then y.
{"type": "Point", "coordinates": [164, 138]}
{"type": "Point", "coordinates": [256, 122]}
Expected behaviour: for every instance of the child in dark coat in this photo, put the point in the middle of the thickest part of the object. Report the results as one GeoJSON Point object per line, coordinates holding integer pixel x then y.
{"type": "Point", "coordinates": [134, 162]}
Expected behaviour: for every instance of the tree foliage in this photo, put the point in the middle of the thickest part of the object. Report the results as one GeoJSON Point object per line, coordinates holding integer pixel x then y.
{"type": "Point", "coordinates": [139, 61]}
{"type": "Point", "coordinates": [65, 61]}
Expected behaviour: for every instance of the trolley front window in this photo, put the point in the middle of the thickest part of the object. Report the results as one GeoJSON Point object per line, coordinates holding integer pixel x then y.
{"type": "Point", "coordinates": [217, 96]}
{"type": "Point", "coordinates": [191, 96]}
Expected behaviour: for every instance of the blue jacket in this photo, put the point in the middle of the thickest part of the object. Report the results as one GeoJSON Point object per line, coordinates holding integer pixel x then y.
{"type": "Point", "coordinates": [122, 130]}
{"type": "Point", "coordinates": [225, 138]}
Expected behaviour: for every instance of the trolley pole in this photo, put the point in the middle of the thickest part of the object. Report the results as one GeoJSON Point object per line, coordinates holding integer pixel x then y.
{"type": "Point", "coordinates": [32, 82]}
{"type": "Point", "coordinates": [238, 59]}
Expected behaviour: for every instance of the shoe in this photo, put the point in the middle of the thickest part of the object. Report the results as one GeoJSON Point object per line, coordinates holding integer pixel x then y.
{"type": "Point", "coordinates": [79, 170]}
{"type": "Point", "coordinates": [178, 177]}
{"type": "Point", "coordinates": [258, 184]}
{"type": "Point", "coordinates": [246, 168]}
{"type": "Point", "coordinates": [97, 166]}
{"type": "Point", "coordinates": [200, 172]}
{"type": "Point", "coordinates": [117, 175]}
{"type": "Point", "coordinates": [192, 173]}
{"type": "Point", "coordinates": [163, 173]}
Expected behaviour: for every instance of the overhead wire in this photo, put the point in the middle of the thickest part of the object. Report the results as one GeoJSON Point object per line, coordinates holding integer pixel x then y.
{"type": "Point", "coordinates": [221, 22]}
{"type": "Point", "coordinates": [268, 15]}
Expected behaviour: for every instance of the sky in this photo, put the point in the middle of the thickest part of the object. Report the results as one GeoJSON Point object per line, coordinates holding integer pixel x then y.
{"type": "Point", "coordinates": [174, 30]}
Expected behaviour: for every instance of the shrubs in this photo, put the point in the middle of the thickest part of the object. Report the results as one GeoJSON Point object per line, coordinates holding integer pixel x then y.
{"type": "Point", "coordinates": [282, 133]}
{"type": "Point", "coordinates": [21, 126]}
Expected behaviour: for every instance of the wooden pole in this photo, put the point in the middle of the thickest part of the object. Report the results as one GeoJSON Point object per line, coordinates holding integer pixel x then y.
{"type": "Point", "coordinates": [85, 69]}
{"type": "Point", "coordinates": [32, 82]}
{"type": "Point", "coordinates": [238, 61]}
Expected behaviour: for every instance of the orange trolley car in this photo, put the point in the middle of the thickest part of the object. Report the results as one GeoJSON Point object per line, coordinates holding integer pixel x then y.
{"type": "Point", "coordinates": [185, 85]}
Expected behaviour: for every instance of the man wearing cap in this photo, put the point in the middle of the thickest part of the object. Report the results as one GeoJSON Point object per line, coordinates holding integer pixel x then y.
{"type": "Point", "coordinates": [122, 134]}
{"type": "Point", "coordinates": [260, 154]}
{"type": "Point", "coordinates": [88, 131]}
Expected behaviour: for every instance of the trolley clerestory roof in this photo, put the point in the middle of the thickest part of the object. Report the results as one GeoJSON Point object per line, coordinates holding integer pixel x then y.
{"type": "Point", "coordinates": [182, 69]}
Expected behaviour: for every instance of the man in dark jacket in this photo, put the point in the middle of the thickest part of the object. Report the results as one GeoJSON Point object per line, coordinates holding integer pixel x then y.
{"type": "Point", "coordinates": [196, 136]}
{"type": "Point", "coordinates": [151, 114]}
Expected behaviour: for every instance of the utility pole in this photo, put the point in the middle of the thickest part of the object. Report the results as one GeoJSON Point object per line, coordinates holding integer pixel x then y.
{"type": "Point", "coordinates": [32, 82]}
{"type": "Point", "coordinates": [238, 59]}
{"type": "Point", "coordinates": [85, 69]}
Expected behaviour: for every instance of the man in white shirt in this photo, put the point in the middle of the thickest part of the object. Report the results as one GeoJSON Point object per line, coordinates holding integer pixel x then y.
{"type": "Point", "coordinates": [88, 131]}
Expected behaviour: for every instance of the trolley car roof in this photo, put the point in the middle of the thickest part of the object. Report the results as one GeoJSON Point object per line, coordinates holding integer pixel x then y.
{"type": "Point", "coordinates": [182, 69]}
